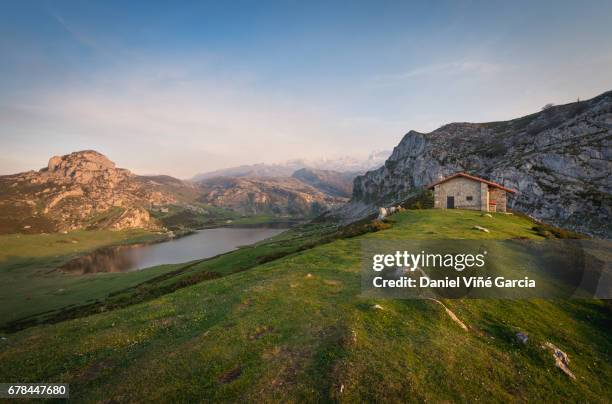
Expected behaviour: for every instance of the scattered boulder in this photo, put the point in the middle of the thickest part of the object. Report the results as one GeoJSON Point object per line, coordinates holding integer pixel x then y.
{"type": "Point", "coordinates": [481, 229]}
{"type": "Point", "coordinates": [522, 337]}
{"type": "Point", "coordinates": [561, 359]}
{"type": "Point", "coordinates": [451, 314]}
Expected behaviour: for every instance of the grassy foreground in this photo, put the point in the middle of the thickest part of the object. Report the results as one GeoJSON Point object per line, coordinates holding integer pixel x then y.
{"type": "Point", "coordinates": [297, 329]}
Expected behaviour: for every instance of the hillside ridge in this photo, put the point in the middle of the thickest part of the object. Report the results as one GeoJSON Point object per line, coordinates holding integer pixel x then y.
{"type": "Point", "coordinates": [559, 160]}
{"type": "Point", "coordinates": [82, 189]}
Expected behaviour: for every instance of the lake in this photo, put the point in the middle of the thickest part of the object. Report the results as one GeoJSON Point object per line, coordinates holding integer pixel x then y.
{"type": "Point", "coordinates": [202, 244]}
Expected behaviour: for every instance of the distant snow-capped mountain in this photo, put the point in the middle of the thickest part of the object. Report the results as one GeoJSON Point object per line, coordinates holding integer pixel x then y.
{"type": "Point", "coordinates": [345, 164]}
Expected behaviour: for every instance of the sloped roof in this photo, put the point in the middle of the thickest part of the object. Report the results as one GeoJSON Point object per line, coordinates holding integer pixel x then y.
{"type": "Point", "coordinates": [471, 177]}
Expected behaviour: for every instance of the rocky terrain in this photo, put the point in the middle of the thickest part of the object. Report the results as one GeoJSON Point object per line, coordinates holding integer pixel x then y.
{"type": "Point", "coordinates": [334, 183]}
{"type": "Point", "coordinates": [559, 161]}
{"type": "Point", "coordinates": [84, 190]}
{"type": "Point", "coordinates": [277, 196]}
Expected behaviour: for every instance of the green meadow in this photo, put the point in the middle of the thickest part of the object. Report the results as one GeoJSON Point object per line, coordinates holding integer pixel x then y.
{"type": "Point", "coordinates": [285, 320]}
{"type": "Point", "coordinates": [34, 291]}
{"type": "Point", "coordinates": [30, 284]}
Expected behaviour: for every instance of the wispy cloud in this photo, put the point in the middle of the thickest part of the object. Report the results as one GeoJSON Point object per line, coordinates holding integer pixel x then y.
{"type": "Point", "coordinates": [146, 108]}
{"type": "Point", "coordinates": [459, 67]}
{"type": "Point", "coordinates": [75, 33]}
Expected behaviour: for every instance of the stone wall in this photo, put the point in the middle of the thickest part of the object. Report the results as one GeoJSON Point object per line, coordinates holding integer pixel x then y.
{"type": "Point", "coordinates": [460, 188]}
{"type": "Point", "coordinates": [484, 197]}
{"type": "Point", "coordinates": [499, 196]}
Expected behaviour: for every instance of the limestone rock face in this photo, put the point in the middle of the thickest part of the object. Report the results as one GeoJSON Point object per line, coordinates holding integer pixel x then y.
{"type": "Point", "coordinates": [133, 218]}
{"type": "Point", "coordinates": [559, 161]}
{"type": "Point", "coordinates": [81, 190]}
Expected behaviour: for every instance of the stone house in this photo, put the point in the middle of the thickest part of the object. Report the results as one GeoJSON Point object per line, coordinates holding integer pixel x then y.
{"type": "Point", "coordinates": [464, 191]}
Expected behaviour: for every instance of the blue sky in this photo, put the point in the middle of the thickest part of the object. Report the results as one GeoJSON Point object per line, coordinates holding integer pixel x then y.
{"type": "Point", "coordinates": [184, 87]}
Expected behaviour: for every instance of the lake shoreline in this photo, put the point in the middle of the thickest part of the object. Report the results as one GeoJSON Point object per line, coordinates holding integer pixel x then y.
{"type": "Point", "coordinates": [130, 257]}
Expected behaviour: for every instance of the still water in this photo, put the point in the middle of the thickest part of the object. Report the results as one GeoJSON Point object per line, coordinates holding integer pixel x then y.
{"type": "Point", "coordinates": [202, 244]}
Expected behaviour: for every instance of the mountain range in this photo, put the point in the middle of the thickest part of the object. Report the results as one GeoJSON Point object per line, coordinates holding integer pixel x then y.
{"type": "Point", "coordinates": [85, 190]}
{"type": "Point", "coordinates": [284, 196]}
{"type": "Point", "coordinates": [558, 160]}
{"type": "Point", "coordinates": [344, 164]}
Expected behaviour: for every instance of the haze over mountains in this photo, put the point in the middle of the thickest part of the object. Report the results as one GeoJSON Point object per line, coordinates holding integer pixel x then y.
{"type": "Point", "coordinates": [559, 161]}
{"type": "Point", "coordinates": [344, 164]}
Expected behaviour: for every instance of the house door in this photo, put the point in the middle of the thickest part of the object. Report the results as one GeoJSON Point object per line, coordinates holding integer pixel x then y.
{"type": "Point", "coordinates": [450, 202]}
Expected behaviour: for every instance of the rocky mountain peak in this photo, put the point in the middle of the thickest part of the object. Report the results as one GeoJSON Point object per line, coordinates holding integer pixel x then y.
{"type": "Point", "coordinates": [83, 189]}
{"type": "Point", "coordinates": [559, 159]}
{"type": "Point", "coordinates": [83, 167]}
{"type": "Point", "coordinates": [89, 158]}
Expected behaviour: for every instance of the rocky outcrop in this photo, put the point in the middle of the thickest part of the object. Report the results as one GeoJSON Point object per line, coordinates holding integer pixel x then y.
{"type": "Point", "coordinates": [132, 218]}
{"type": "Point", "coordinates": [81, 190]}
{"type": "Point", "coordinates": [559, 161]}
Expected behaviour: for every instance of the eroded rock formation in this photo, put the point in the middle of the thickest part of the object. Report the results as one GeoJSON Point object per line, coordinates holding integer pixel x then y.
{"type": "Point", "coordinates": [79, 190]}
{"type": "Point", "coordinates": [559, 161]}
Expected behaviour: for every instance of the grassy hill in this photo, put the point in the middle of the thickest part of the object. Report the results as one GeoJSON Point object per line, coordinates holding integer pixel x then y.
{"type": "Point", "coordinates": [296, 328]}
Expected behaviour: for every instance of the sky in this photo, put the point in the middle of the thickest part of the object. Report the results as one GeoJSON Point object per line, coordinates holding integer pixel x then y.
{"type": "Point", "coordinates": [185, 87]}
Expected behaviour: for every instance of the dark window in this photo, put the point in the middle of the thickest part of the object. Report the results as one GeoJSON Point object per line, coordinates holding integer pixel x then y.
{"type": "Point", "coordinates": [469, 198]}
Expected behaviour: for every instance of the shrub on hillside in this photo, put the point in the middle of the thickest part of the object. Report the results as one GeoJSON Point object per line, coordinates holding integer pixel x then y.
{"type": "Point", "coordinates": [549, 231]}
{"type": "Point", "coordinates": [423, 200]}
{"type": "Point", "coordinates": [363, 227]}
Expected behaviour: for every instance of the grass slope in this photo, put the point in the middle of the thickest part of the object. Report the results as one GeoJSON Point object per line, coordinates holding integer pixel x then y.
{"type": "Point", "coordinates": [33, 292]}
{"type": "Point", "coordinates": [297, 329]}
{"type": "Point", "coordinates": [29, 284]}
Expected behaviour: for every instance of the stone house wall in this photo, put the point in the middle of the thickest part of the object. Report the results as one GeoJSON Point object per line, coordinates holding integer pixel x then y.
{"type": "Point", "coordinates": [461, 189]}
{"type": "Point", "coordinates": [499, 196]}
{"type": "Point", "coordinates": [484, 197]}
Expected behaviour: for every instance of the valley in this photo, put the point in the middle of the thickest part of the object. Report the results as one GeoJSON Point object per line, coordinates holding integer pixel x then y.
{"type": "Point", "coordinates": [306, 202]}
{"type": "Point", "coordinates": [85, 299]}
